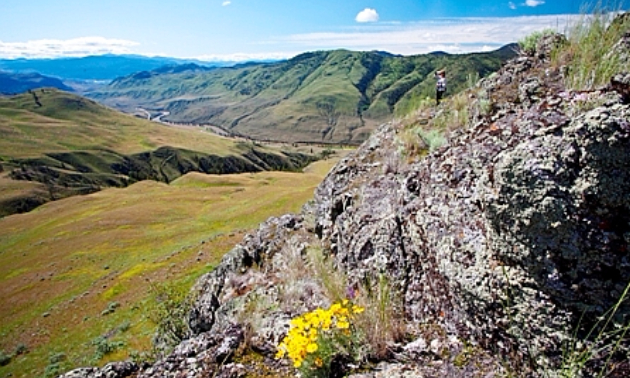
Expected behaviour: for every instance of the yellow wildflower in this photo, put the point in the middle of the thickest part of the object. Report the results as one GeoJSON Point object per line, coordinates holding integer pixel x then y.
{"type": "Point", "coordinates": [280, 353]}
{"type": "Point", "coordinates": [357, 309]}
{"type": "Point", "coordinates": [335, 308]}
{"type": "Point", "coordinates": [312, 347]}
{"type": "Point", "coordinates": [343, 325]}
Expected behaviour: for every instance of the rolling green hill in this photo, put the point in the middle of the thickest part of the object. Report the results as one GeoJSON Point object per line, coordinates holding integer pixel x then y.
{"type": "Point", "coordinates": [55, 144]}
{"type": "Point", "coordinates": [319, 96]}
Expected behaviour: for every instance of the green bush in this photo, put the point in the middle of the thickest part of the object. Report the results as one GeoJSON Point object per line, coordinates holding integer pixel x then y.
{"type": "Point", "coordinates": [318, 338]}
{"type": "Point", "coordinates": [433, 138]}
{"type": "Point", "coordinates": [21, 349]}
{"type": "Point", "coordinates": [56, 364]}
{"type": "Point", "coordinates": [170, 312]}
{"type": "Point", "coordinates": [104, 346]}
{"type": "Point", "coordinates": [55, 358]}
{"type": "Point", "coordinates": [5, 359]}
{"type": "Point", "coordinates": [111, 308]}
{"type": "Point", "coordinates": [124, 327]}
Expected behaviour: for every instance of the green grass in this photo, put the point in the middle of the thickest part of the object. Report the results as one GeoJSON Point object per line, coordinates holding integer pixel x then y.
{"type": "Point", "coordinates": [588, 54]}
{"type": "Point", "coordinates": [62, 264]}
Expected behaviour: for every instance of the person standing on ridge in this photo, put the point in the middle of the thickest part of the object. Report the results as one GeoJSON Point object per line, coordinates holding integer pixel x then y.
{"type": "Point", "coordinates": [440, 86]}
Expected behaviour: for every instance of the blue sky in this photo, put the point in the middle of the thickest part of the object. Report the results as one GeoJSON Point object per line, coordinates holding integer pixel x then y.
{"type": "Point", "coordinates": [257, 29]}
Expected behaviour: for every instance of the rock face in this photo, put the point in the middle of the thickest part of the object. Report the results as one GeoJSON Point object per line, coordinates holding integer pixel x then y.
{"type": "Point", "coordinates": [513, 238]}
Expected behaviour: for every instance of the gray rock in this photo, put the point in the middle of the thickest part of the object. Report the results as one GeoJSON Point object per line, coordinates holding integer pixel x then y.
{"type": "Point", "coordinates": [111, 370]}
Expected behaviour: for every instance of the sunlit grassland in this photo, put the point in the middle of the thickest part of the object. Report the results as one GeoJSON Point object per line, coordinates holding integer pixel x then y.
{"type": "Point", "coordinates": [67, 122]}
{"type": "Point", "coordinates": [66, 262]}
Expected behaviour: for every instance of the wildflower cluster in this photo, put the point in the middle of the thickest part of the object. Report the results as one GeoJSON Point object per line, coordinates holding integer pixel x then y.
{"type": "Point", "coordinates": [317, 336]}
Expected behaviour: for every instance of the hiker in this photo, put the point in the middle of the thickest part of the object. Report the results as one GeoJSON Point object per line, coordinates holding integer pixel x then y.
{"type": "Point", "coordinates": [440, 86]}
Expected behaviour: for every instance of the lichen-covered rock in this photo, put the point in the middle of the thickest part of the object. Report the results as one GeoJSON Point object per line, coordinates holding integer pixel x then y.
{"type": "Point", "coordinates": [111, 370]}
{"type": "Point", "coordinates": [621, 84]}
{"type": "Point", "coordinates": [515, 235]}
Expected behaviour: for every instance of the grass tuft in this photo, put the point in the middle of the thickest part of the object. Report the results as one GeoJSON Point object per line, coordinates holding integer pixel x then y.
{"type": "Point", "coordinates": [529, 43]}
{"type": "Point", "coordinates": [589, 56]}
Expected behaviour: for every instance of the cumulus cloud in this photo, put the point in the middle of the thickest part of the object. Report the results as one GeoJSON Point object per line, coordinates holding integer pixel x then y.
{"type": "Point", "coordinates": [512, 5]}
{"type": "Point", "coordinates": [368, 15]}
{"type": "Point", "coordinates": [534, 3]}
{"type": "Point", "coordinates": [226, 3]}
{"type": "Point", "coordinates": [53, 48]}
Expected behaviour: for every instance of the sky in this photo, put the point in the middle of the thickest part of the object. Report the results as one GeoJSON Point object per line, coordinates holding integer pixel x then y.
{"type": "Point", "coordinates": [271, 29]}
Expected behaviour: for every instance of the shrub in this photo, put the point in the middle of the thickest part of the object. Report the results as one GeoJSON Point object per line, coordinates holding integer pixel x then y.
{"type": "Point", "coordinates": [381, 323]}
{"type": "Point", "coordinates": [169, 312]}
{"type": "Point", "coordinates": [124, 327]}
{"type": "Point", "coordinates": [56, 365]}
{"type": "Point", "coordinates": [104, 346]}
{"type": "Point", "coordinates": [5, 359]}
{"type": "Point", "coordinates": [111, 308]}
{"type": "Point", "coordinates": [432, 139]}
{"type": "Point", "coordinates": [21, 349]}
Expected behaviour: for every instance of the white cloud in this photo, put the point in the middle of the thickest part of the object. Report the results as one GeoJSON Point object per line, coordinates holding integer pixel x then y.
{"type": "Point", "coordinates": [512, 5]}
{"type": "Point", "coordinates": [226, 3]}
{"type": "Point", "coordinates": [52, 48]}
{"type": "Point", "coordinates": [455, 35]}
{"type": "Point", "coordinates": [534, 3]}
{"type": "Point", "coordinates": [242, 57]}
{"type": "Point", "coordinates": [368, 15]}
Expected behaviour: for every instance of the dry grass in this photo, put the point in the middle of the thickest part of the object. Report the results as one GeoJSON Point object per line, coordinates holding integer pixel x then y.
{"type": "Point", "coordinates": [383, 322]}
{"type": "Point", "coordinates": [62, 264]}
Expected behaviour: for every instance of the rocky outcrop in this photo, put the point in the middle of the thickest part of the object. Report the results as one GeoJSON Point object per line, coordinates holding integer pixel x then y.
{"type": "Point", "coordinates": [506, 246]}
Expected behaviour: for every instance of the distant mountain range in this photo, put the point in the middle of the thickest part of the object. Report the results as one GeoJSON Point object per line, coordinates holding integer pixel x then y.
{"type": "Point", "coordinates": [101, 67]}
{"type": "Point", "coordinates": [13, 83]}
{"type": "Point", "coordinates": [330, 96]}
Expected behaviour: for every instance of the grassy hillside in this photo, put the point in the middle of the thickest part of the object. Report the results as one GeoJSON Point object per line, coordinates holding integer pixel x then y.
{"type": "Point", "coordinates": [75, 274]}
{"type": "Point", "coordinates": [71, 145]}
{"type": "Point", "coordinates": [48, 120]}
{"type": "Point", "coordinates": [319, 96]}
